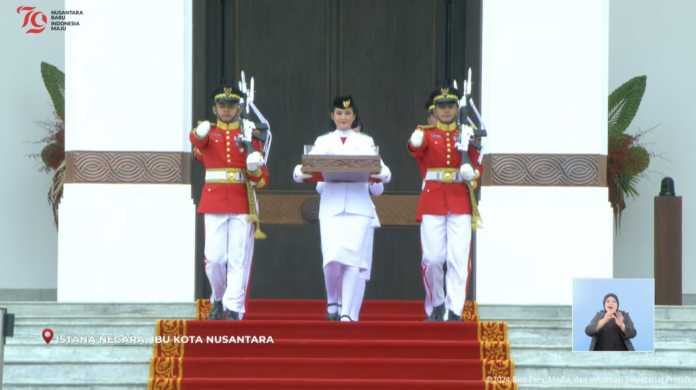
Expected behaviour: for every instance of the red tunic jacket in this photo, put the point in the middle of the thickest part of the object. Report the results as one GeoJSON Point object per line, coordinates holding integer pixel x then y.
{"type": "Point", "coordinates": [219, 149]}
{"type": "Point", "coordinates": [438, 151]}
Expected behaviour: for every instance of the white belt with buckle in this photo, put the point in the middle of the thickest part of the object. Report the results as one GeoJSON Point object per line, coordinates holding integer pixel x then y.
{"type": "Point", "coordinates": [223, 175]}
{"type": "Point", "coordinates": [444, 176]}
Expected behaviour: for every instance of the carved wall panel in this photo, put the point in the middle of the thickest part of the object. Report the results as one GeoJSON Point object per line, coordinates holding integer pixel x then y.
{"type": "Point", "coordinates": [563, 170]}
{"type": "Point", "coordinates": [128, 167]}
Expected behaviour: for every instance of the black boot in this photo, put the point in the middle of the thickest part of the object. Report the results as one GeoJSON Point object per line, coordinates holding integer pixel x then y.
{"type": "Point", "coordinates": [217, 312]}
{"type": "Point", "coordinates": [332, 316]}
{"type": "Point", "coordinates": [231, 315]}
{"type": "Point", "coordinates": [451, 317]}
{"type": "Point", "coordinates": [438, 314]}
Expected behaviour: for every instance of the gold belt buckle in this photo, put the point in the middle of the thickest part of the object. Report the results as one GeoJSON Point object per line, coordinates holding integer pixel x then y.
{"type": "Point", "coordinates": [231, 175]}
{"type": "Point", "coordinates": [447, 177]}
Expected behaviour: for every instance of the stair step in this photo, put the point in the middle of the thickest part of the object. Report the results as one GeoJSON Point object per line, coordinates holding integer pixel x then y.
{"type": "Point", "coordinates": [129, 371]}
{"type": "Point", "coordinates": [533, 354]}
{"type": "Point", "coordinates": [76, 353]}
{"type": "Point", "coordinates": [603, 386]}
{"type": "Point", "coordinates": [605, 372]}
{"type": "Point", "coordinates": [542, 354]}
{"type": "Point", "coordinates": [159, 310]}
{"type": "Point", "coordinates": [75, 385]}
{"type": "Point", "coordinates": [518, 334]}
{"type": "Point", "coordinates": [188, 309]}
{"type": "Point", "coordinates": [49, 319]}
{"type": "Point", "coordinates": [335, 368]}
{"type": "Point", "coordinates": [31, 333]}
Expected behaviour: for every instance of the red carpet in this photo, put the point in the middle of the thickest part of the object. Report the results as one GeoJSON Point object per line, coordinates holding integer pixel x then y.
{"type": "Point", "coordinates": [317, 368]}
{"type": "Point", "coordinates": [287, 344]}
{"type": "Point", "coordinates": [324, 384]}
{"type": "Point", "coordinates": [406, 349]}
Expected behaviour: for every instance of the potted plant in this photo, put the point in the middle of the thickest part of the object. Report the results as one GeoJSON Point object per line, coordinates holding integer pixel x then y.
{"type": "Point", "coordinates": [627, 158]}
{"type": "Point", "coordinates": [53, 154]}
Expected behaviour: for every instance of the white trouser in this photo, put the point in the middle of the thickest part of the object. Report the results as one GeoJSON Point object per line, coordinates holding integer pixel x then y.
{"type": "Point", "coordinates": [359, 292]}
{"type": "Point", "coordinates": [445, 238]}
{"type": "Point", "coordinates": [229, 248]}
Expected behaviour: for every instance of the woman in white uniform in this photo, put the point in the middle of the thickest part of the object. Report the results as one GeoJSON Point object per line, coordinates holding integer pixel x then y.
{"type": "Point", "coordinates": [346, 213]}
{"type": "Point", "coordinates": [375, 189]}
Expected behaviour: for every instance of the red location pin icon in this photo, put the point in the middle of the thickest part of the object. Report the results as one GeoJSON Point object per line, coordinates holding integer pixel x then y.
{"type": "Point", "coordinates": [47, 335]}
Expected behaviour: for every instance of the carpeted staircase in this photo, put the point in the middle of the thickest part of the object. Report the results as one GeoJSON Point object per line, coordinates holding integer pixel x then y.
{"type": "Point", "coordinates": [390, 348]}
{"type": "Point", "coordinates": [540, 338]}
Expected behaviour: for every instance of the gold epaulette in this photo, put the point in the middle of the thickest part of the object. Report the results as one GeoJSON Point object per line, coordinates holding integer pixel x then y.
{"type": "Point", "coordinates": [425, 127]}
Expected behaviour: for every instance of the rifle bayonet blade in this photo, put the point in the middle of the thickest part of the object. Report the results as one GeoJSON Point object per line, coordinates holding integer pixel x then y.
{"type": "Point", "coordinates": [478, 116]}
{"type": "Point", "coordinates": [251, 91]}
{"type": "Point", "coordinates": [468, 83]}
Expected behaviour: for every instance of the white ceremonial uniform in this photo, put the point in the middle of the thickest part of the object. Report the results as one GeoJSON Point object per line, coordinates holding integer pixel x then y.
{"type": "Point", "coordinates": [346, 215]}
{"type": "Point", "coordinates": [345, 210]}
{"type": "Point", "coordinates": [375, 189]}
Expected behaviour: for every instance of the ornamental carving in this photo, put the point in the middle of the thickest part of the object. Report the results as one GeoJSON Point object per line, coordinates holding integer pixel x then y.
{"type": "Point", "coordinates": [128, 167]}
{"type": "Point", "coordinates": [310, 209]}
{"type": "Point", "coordinates": [291, 209]}
{"type": "Point", "coordinates": [340, 163]}
{"type": "Point", "coordinates": [564, 170]}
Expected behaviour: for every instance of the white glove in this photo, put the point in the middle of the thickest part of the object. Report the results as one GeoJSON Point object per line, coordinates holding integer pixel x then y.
{"type": "Point", "coordinates": [254, 161]}
{"type": "Point", "coordinates": [320, 187]}
{"type": "Point", "coordinates": [384, 174]}
{"type": "Point", "coordinates": [298, 175]}
{"type": "Point", "coordinates": [417, 138]}
{"type": "Point", "coordinates": [203, 129]}
{"type": "Point", "coordinates": [467, 172]}
{"type": "Point", "coordinates": [461, 148]}
{"type": "Point", "coordinates": [376, 189]}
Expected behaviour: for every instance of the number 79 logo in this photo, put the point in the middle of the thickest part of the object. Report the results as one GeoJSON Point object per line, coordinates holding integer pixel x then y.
{"type": "Point", "coordinates": [32, 17]}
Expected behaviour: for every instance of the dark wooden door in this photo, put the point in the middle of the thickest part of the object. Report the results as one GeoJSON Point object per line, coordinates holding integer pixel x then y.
{"type": "Point", "coordinates": [389, 55]}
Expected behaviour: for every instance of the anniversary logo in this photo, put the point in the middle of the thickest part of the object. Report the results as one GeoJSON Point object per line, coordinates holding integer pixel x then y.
{"type": "Point", "coordinates": [36, 22]}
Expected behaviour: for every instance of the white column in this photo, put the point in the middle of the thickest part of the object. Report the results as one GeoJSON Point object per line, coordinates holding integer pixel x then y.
{"type": "Point", "coordinates": [128, 87]}
{"type": "Point", "coordinates": [544, 91]}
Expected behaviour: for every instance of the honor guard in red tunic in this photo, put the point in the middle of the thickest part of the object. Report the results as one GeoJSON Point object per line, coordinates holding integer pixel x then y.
{"type": "Point", "coordinates": [228, 202]}
{"type": "Point", "coordinates": [447, 206]}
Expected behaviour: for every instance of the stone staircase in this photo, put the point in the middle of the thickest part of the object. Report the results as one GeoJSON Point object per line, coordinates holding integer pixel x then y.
{"type": "Point", "coordinates": [541, 347]}
{"type": "Point", "coordinates": [540, 337]}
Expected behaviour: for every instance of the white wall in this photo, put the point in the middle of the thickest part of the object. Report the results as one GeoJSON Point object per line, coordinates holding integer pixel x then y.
{"type": "Point", "coordinates": [656, 38]}
{"type": "Point", "coordinates": [28, 239]}
{"type": "Point", "coordinates": [544, 62]}
{"type": "Point", "coordinates": [128, 90]}
{"type": "Point", "coordinates": [127, 79]}
{"type": "Point", "coordinates": [544, 91]}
